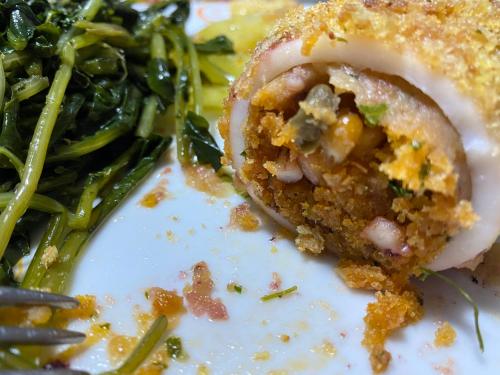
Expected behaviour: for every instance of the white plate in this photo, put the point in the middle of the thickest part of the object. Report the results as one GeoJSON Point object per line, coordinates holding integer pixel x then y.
{"type": "Point", "coordinates": [132, 252]}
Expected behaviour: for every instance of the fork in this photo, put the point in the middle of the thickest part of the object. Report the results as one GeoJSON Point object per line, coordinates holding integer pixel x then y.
{"type": "Point", "coordinates": [37, 336]}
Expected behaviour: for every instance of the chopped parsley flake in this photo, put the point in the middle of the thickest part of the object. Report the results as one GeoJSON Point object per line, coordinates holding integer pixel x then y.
{"type": "Point", "coordinates": [340, 39]}
{"type": "Point", "coordinates": [373, 113]}
{"type": "Point", "coordinates": [399, 190]}
{"type": "Point", "coordinates": [174, 347]}
{"type": "Point", "coordinates": [426, 273]}
{"type": "Point", "coordinates": [233, 287]}
{"type": "Point", "coordinates": [243, 153]}
{"type": "Point", "coordinates": [279, 294]}
{"type": "Point", "coordinates": [425, 169]}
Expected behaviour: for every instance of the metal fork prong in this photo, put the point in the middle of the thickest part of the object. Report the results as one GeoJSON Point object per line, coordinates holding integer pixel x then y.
{"type": "Point", "coordinates": [43, 372]}
{"type": "Point", "coordinates": [39, 336]}
{"type": "Point", "coordinates": [15, 296]}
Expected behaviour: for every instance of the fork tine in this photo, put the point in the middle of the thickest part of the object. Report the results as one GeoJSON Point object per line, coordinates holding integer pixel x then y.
{"type": "Point", "coordinates": [44, 372]}
{"type": "Point", "coordinates": [38, 336]}
{"type": "Point", "coordinates": [15, 296]}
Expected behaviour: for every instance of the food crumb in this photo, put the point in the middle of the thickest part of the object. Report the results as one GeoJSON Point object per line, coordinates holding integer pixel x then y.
{"type": "Point", "coordinates": [447, 368]}
{"type": "Point", "coordinates": [199, 295]}
{"type": "Point", "coordinates": [390, 312]}
{"type": "Point", "coordinates": [262, 356]}
{"type": "Point", "coordinates": [167, 303]}
{"type": "Point", "coordinates": [284, 338]}
{"type": "Point", "coordinates": [445, 335]}
{"type": "Point", "coordinates": [155, 196]}
{"type": "Point", "coordinates": [309, 240]}
{"type": "Point", "coordinates": [274, 249]}
{"type": "Point", "coordinates": [49, 256]}
{"type": "Point", "coordinates": [276, 282]}
{"type": "Point", "coordinates": [39, 315]}
{"type": "Point", "coordinates": [326, 348]}
{"type": "Point", "coordinates": [171, 236]}
{"type": "Point", "coordinates": [203, 370]}
{"type": "Point", "coordinates": [244, 219]}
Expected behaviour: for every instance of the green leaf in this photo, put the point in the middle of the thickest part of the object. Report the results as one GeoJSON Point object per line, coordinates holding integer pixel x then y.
{"type": "Point", "coordinates": [160, 81]}
{"type": "Point", "coordinates": [221, 45]}
{"type": "Point", "coordinates": [399, 190]}
{"type": "Point", "coordinates": [203, 143]}
{"type": "Point", "coordinates": [174, 347]}
{"type": "Point", "coordinates": [21, 28]}
{"type": "Point", "coordinates": [373, 113]}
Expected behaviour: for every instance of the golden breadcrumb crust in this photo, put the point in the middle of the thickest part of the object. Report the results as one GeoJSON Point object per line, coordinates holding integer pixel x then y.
{"type": "Point", "coordinates": [455, 39]}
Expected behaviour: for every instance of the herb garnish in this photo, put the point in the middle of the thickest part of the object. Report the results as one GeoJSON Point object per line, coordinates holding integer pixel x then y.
{"type": "Point", "coordinates": [397, 187]}
{"type": "Point", "coordinates": [233, 287]}
{"type": "Point", "coordinates": [204, 145]}
{"type": "Point", "coordinates": [174, 347]}
{"type": "Point", "coordinates": [221, 44]}
{"type": "Point", "coordinates": [279, 294]}
{"type": "Point", "coordinates": [425, 169]}
{"type": "Point", "coordinates": [426, 273]}
{"type": "Point", "coordinates": [373, 113]}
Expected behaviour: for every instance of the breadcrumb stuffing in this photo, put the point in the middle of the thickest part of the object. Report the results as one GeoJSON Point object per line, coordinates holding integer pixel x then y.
{"type": "Point", "coordinates": [49, 256]}
{"type": "Point", "coordinates": [309, 240]}
{"type": "Point", "coordinates": [389, 313]}
{"type": "Point", "coordinates": [445, 335]}
{"type": "Point", "coordinates": [243, 218]}
{"type": "Point", "coordinates": [365, 276]}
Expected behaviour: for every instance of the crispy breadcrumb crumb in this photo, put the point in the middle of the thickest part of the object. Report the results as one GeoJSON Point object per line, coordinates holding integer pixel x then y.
{"type": "Point", "coordinates": [445, 335]}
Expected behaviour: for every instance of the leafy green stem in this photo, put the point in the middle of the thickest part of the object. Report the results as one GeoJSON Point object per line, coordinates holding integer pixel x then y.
{"type": "Point", "coordinates": [427, 272]}
{"type": "Point", "coordinates": [143, 349]}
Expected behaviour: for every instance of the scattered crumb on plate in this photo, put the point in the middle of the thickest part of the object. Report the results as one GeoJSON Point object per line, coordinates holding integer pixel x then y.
{"type": "Point", "coordinates": [445, 335]}
{"type": "Point", "coordinates": [243, 218]}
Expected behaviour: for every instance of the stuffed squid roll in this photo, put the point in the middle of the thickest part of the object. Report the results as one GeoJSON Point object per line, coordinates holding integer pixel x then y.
{"type": "Point", "coordinates": [371, 129]}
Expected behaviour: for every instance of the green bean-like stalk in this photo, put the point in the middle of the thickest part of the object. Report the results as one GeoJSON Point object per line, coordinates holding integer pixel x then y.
{"type": "Point", "coordinates": [9, 360]}
{"type": "Point", "coordinates": [37, 201]}
{"type": "Point", "coordinates": [2, 83]}
{"type": "Point", "coordinates": [57, 277]}
{"type": "Point", "coordinates": [183, 153]}
{"type": "Point", "coordinates": [37, 151]}
{"type": "Point", "coordinates": [52, 237]}
{"type": "Point", "coordinates": [143, 349]}
{"type": "Point", "coordinates": [13, 159]}
{"type": "Point", "coordinates": [195, 76]}
{"type": "Point", "coordinates": [29, 87]}
{"type": "Point", "coordinates": [146, 123]}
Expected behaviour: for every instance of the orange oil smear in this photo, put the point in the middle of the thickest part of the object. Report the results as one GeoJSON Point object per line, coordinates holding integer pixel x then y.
{"type": "Point", "coordinates": [155, 196]}
{"type": "Point", "coordinates": [120, 346]}
{"type": "Point", "coordinates": [205, 179]}
{"type": "Point", "coordinates": [244, 219]}
{"type": "Point", "coordinates": [86, 311]}
{"type": "Point", "coordinates": [95, 334]}
{"type": "Point", "coordinates": [199, 295]}
{"type": "Point", "coordinates": [390, 312]}
{"type": "Point", "coordinates": [445, 335]}
{"type": "Point", "coordinates": [167, 303]}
